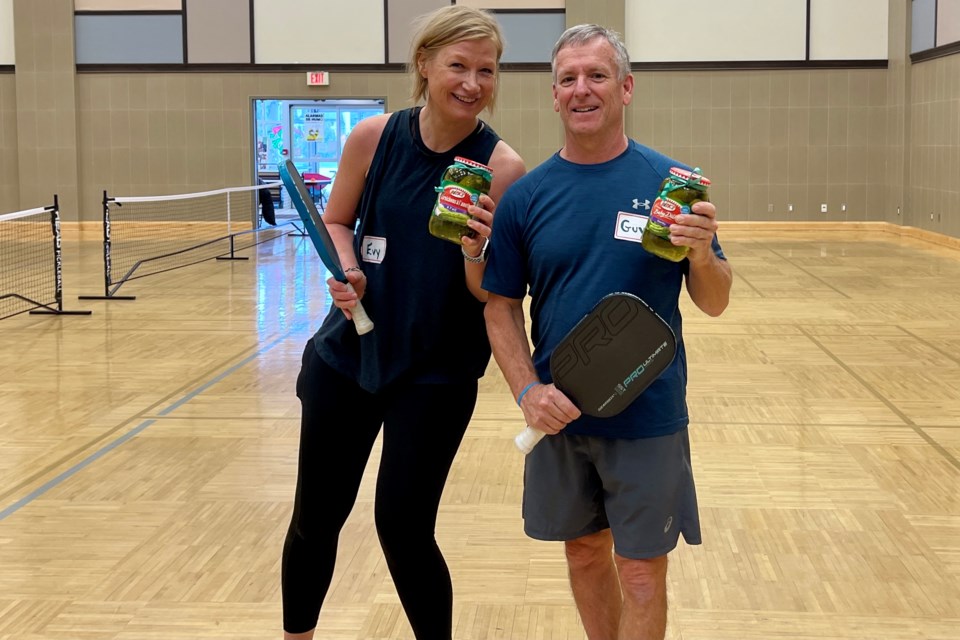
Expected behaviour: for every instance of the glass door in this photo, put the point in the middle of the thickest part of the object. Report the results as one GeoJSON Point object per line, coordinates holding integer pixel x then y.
{"type": "Point", "coordinates": [310, 132]}
{"type": "Point", "coordinates": [314, 139]}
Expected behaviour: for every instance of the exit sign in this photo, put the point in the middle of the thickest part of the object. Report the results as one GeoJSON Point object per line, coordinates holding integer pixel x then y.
{"type": "Point", "coordinates": [315, 78]}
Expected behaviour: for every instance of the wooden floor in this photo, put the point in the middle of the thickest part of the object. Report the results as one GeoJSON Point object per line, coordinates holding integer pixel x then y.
{"type": "Point", "coordinates": [148, 455]}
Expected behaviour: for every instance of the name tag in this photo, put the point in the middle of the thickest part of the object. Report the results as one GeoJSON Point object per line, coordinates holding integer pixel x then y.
{"type": "Point", "coordinates": [629, 226]}
{"type": "Point", "coordinates": [373, 249]}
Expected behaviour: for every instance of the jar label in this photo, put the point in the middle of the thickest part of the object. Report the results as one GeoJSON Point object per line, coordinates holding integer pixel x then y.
{"type": "Point", "coordinates": [455, 198]}
{"type": "Point", "coordinates": [665, 211]}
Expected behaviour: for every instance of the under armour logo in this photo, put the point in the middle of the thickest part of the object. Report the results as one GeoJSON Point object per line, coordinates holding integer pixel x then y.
{"type": "Point", "coordinates": [637, 204]}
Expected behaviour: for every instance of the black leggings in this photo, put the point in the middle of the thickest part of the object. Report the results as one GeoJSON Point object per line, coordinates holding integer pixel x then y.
{"type": "Point", "coordinates": [423, 425]}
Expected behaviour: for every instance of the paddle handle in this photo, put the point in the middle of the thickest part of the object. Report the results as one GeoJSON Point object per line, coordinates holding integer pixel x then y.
{"type": "Point", "coordinates": [527, 439]}
{"type": "Point", "coordinates": [361, 320]}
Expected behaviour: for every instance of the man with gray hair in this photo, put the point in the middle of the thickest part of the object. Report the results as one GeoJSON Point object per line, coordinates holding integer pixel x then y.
{"type": "Point", "coordinates": [618, 491]}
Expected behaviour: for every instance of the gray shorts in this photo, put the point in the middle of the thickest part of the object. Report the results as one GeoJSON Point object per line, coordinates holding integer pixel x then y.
{"type": "Point", "coordinates": [642, 490]}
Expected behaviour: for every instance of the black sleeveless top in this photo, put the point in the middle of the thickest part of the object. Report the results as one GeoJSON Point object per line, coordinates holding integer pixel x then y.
{"type": "Point", "coordinates": [429, 328]}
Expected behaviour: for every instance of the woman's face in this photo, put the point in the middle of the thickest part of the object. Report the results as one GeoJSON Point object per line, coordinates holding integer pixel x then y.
{"type": "Point", "coordinates": [461, 77]}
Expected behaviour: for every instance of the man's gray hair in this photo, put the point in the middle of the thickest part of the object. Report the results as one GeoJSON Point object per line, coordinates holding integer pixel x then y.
{"type": "Point", "coordinates": [584, 33]}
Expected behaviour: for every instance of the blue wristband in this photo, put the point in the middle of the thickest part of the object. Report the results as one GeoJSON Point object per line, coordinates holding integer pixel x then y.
{"type": "Point", "coordinates": [525, 389]}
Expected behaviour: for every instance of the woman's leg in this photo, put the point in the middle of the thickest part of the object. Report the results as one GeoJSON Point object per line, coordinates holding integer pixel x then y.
{"type": "Point", "coordinates": [422, 430]}
{"type": "Point", "coordinates": [339, 423]}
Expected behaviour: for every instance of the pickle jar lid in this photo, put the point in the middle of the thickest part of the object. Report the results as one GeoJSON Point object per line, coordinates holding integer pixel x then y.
{"type": "Point", "coordinates": [474, 164]}
{"type": "Point", "coordinates": [690, 178]}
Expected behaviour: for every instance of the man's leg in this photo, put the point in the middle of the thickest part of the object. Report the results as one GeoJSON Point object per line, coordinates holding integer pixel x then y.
{"type": "Point", "coordinates": [593, 578]}
{"type": "Point", "coordinates": [644, 585]}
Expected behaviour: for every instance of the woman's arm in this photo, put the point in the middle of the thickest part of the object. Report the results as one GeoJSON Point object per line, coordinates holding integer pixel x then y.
{"type": "Point", "coordinates": [507, 167]}
{"type": "Point", "coordinates": [340, 214]}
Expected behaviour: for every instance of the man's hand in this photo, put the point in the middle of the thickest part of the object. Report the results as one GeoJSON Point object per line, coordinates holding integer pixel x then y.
{"type": "Point", "coordinates": [696, 230]}
{"type": "Point", "coordinates": [546, 408]}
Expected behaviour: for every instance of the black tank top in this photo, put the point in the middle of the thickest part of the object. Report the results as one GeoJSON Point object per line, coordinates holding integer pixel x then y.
{"type": "Point", "coordinates": [429, 328]}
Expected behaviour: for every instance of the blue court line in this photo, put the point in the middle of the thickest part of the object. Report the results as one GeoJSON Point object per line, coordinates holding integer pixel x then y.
{"type": "Point", "coordinates": [93, 457]}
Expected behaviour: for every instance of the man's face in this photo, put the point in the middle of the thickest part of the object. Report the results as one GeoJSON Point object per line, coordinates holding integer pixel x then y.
{"type": "Point", "coordinates": [586, 93]}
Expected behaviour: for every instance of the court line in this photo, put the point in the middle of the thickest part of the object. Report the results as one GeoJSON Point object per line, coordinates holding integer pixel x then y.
{"type": "Point", "coordinates": [102, 451]}
{"type": "Point", "coordinates": [26, 482]}
{"type": "Point", "coordinates": [939, 448]}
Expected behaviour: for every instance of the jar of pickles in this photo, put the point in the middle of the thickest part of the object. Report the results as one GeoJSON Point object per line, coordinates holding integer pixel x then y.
{"type": "Point", "coordinates": [679, 191]}
{"type": "Point", "coordinates": [460, 186]}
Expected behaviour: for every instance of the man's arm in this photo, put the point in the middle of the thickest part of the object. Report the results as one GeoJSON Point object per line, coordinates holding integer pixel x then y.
{"type": "Point", "coordinates": [710, 278]}
{"type": "Point", "coordinates": [544, 407]}
{"type": "Point", "coordinates": [708, 284]}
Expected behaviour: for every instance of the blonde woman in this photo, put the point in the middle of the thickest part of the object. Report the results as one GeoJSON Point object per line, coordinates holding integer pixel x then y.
{"type": "Point", "coordinates": [416, 374]}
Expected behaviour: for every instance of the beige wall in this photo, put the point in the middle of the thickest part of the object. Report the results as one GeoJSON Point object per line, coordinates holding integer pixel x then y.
{"type": "Point", "coordinates": [156, 134]}
{"type": "Point", "coordinates": [7, 55]}
{"type": "Point", "coordinates": [896, 207]}
{"type": "Point", "coordinates": [768, 139]}
{"type": "Point", "coordinates": [772, 138]}
{"type": "Point", "coordinates": [764, 137]}
{"type": "Point", "coordinates": [46, 103]}
{"type": "Point", "coordinates": [163, 133]}
{"type": "Point", "coordinates": [934, 187]}
{"type": "Point", "coordinates": [9, 173]}
{"type": "Point", "coordinates": [609, 13]}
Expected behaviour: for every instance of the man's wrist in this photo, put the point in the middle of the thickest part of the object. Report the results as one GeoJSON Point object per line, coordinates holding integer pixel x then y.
{"type": "Point", "coordinates": [525, 389]}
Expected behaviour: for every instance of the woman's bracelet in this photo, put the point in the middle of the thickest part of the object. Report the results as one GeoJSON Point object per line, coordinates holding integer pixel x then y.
{"type": "Point", "coordinates": [478, 259]}
{"type": "Point", "coordinates": [358, 269]}
{"type": "Point", "coordinates": [525, 389]}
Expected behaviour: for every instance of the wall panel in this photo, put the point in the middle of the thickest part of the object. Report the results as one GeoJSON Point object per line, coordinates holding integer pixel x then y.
{"type": "Point", "coordinates": [948, 21]}
{"type": "Point", "coordinates": [514, 4]}
{"type": "Point", "coordinates": [218, 31]}
{"type": "Point", "coordinates": [923, 25]}
{"type": "Point", "coordinates": [401, 16]}
{"type": "Point", "coordinates": [129, 5]}
{"type": "Point", "coordinates": [9, 170]}
{"type": "Point", "coordinates": [848, 30]}
{"type": "Point", "coordinates": [530, 36]}
{"type": "Point", "coordinates": [6, 32]}
{"type": "Point", "coordinates": [129, 39]}
{"type": "Point", "coordinates": [732, 30]}
{"type": "Point", "coordinates": [293, 31]}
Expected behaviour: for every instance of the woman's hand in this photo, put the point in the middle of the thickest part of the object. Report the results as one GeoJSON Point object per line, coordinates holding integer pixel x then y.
{"type": "Point", "coordinates": [343, 298]}
{"type": "Point", "coordinates": [481, 221]}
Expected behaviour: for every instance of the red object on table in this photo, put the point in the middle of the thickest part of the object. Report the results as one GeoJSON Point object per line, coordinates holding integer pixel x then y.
{"type": "Point", "coordinates": [315, 182]}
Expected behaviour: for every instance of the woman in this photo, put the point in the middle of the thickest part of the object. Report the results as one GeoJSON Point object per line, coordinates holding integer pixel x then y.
{"type": "Point", "coordinates": [416, 372]}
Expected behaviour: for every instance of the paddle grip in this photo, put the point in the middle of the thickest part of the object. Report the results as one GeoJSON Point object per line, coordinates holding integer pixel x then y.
{"type": "Point", "coordinates": [361, 320]}
{"type": "Point", "coordinates": [527, 439]}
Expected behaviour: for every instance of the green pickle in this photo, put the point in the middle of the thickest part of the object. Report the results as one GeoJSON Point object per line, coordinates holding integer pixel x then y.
{"type": "Point", "coordinates": [460, 186]}
{"type": "Point", "coordinates": [678, 192]}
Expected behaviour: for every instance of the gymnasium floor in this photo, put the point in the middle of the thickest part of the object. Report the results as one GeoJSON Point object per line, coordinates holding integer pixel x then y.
{"type": "Point", "coordinates": [149, 455]}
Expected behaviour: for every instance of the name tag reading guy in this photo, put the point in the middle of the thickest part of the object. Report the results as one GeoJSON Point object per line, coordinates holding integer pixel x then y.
{"type": "Point", "coordinates": [629, 226]}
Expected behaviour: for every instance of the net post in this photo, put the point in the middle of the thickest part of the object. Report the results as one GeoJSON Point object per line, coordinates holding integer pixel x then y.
{"type": "Point", "coordinates": [106, 245]}
{"type": "Point", "coordinates": [57, 251]}
{"type": "Point", "coordinates": [233, 255]}
{"type": "Point", "coordinates": [107, 295]}
{"type": "Point", "coordinates": [57, 265]}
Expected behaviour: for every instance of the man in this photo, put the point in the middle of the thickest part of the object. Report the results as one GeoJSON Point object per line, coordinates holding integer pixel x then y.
{"type": "Point", "coordinates": [618, 491]}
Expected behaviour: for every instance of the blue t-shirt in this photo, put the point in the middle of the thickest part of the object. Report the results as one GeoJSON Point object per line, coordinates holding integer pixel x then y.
{"type": "Point", "coordinates": [572, 232]}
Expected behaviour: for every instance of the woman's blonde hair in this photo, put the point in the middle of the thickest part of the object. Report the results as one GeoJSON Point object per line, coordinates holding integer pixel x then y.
{"type": "Point", "coordinates": [450, 25]}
